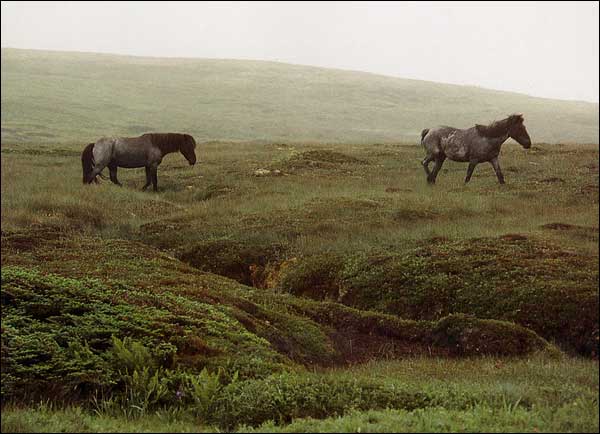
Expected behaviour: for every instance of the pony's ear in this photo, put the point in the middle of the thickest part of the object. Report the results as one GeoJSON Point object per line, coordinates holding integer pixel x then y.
{"type": "Point", "coordinates": [518, 117]}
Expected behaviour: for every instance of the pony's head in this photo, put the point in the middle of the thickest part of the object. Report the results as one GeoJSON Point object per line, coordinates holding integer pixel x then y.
{"type": "Point", "coordinates": [518, 132]}
{"type": "Point", "coordinates": [188, 148]}
{"type": "Point", "coordinates": [87, 163]}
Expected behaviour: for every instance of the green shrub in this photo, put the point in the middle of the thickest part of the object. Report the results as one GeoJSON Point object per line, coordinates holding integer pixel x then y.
{"type": "Point", "coordinates": [130, 356]}
{"type": "Point", "coordinates": [467, 335]}
{"type": "Point", "coordinates": [314, 276]}
{"type": "Point", "coordinates": [287, 396]}
{"type": "Point", "coordinates": [71, 339]}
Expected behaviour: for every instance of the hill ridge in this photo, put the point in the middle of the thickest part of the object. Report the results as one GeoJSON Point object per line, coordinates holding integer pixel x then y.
{"type": "Point", "coordinates": [301, 65]}
{"type": "Point", "coordinates": [67, 97]}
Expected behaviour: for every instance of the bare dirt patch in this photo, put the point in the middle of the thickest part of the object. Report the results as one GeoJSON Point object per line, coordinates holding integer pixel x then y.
{"type": "Point", "coordinates": [398, 190]}
{"type": "Point", "coordinates": [552, 179]}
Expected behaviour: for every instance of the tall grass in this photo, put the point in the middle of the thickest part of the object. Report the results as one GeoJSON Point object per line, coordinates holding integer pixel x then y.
{"type": "Point", "coordinates": [535, 394]}
{"type": "Point", "coordinates": [340, 206]}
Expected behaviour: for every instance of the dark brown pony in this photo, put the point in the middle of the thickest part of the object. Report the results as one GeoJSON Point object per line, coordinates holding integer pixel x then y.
{"type": "Point", "coordinates": [474, 145]}
{"type": "Point", "coordinates": [146, 151]}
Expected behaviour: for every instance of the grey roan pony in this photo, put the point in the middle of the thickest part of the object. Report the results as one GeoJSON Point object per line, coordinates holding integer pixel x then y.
{"type": "Point", "coordinates": [475, 145]}
{"type": "Point", "coordinates": [146, 151]}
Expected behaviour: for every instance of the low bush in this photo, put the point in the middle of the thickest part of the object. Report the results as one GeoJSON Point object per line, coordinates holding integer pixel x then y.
{"type": "Point", "coordinates": [286, 396]}
{"type": "Point", "coordinates": [465, 335]}
{"type": "Point", "coordinates": [70, 338]}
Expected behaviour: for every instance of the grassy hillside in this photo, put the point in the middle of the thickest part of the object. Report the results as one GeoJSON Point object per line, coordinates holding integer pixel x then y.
{"type": "Point", "coordinates": [332, 290]}
{"type": "Point", "coordinates": [60, 97]}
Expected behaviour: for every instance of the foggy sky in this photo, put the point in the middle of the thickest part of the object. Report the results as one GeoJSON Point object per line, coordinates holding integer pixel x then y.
{"type": "Point", "coordinates": [541, 49]}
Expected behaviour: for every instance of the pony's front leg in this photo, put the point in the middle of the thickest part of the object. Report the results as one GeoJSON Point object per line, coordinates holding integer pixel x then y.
{"type": "Point", "coordinates": [148, 178]}
{"type": "Point", "coordinates": [151, 177]}
{"type": "Point", "coordinates": [496, 165]}
{"type": "Point", "coordinates": [472, 165]}
{"type": "Point", "coordinates": [155, 178]}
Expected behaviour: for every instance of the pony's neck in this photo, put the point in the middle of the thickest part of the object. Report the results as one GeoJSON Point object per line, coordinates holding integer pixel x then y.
{"type": "Point", "coordinates": [496, 131]}
{"type": "Point", "coordinates": [498, 141]}
{"type": "Point", "coordinates": [167, 143]}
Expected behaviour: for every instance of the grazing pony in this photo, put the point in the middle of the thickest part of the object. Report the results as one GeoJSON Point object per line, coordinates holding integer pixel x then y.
{"type": "Point", "coordinates": [146, 151]}
{"type": "Point", "coordinates": [474, 145]}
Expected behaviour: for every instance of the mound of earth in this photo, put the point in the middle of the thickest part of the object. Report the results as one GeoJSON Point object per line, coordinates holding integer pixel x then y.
{"type": "Point", "coordinates": [69, 305]}
{"type": "Point", "coordinates": [576, 231]}
{"type": "Point", "coordinates": [514, 278]}
{"type": "Point", "coordinates": [323, 159]}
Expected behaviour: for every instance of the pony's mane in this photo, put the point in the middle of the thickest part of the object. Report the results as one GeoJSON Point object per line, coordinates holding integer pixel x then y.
{"type": "Point", "coordinates": [498, 128]}
{"type": "Point", "coordinates": [168, 142]}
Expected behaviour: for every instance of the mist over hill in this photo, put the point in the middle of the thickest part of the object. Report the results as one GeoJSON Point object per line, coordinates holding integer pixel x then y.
{"type": "Point", "coordinates": [68, 97]}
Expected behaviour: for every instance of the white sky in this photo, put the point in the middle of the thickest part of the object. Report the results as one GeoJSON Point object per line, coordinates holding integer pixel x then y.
{"type": "Point", "coordinates": [547, 49]}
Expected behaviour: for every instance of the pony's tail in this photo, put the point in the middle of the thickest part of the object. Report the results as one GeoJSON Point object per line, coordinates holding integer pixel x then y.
{"type": "Point", "coordinates": [423, 134]}
{"type": "Point", "coordinates": [87, 163]}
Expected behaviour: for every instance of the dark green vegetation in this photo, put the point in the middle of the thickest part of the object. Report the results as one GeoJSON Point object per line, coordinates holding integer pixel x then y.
{"type": "Point", "coordinates": [58, 332]}
{"type": "Point", "coordinates": [537, 394]}
{"type": "Point", "coordinates": [232, 299]}
{"type": "Point", "coordinates": [57, 97]}
{"type": "Point", "coordinates": [533, 283]}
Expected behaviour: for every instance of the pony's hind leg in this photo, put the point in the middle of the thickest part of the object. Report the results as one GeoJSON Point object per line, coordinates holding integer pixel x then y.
{"type": "Point", "coordinates": [425, 164]}
{"type": "Point", "coordinates": [439, 160]}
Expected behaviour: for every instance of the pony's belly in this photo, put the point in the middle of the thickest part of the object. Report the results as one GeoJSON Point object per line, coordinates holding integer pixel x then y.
{"type": "Point", "coordinates": [130, 161]}
{"type": "Point", "coordinates": [127, 165]}
{"type": "Point", "coordinates": [130, 158]}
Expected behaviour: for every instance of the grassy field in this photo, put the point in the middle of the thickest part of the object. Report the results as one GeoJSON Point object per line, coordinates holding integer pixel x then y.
{"type": "Point", "coordinates": [302, 276]}
{"type": "Point", "coordinates": [336, 292]}
{"type": "Point", "coordinates": [59, 97]}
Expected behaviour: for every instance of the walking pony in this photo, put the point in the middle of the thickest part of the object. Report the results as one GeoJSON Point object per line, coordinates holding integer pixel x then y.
{"type": "Point", "coordinates": [474, 145]}
{"type": "Point", "coordinates": [146, 151]}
